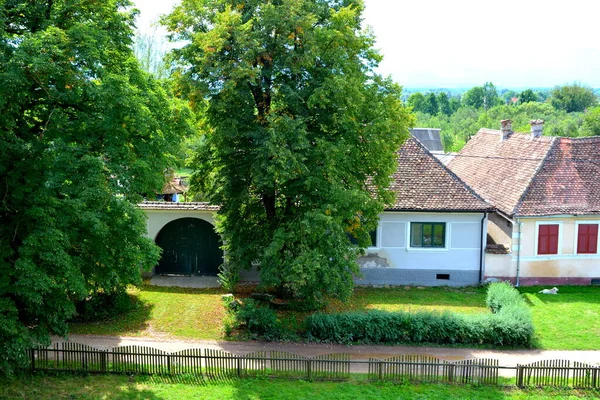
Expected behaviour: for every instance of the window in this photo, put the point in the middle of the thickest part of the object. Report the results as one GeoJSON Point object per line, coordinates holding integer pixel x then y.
{"type": "Point", "coordinates": [548, 239]}
{"type": "Point", "coordinates": [428, 234]}
{"type": "Point", "coordinates": [587, 239]}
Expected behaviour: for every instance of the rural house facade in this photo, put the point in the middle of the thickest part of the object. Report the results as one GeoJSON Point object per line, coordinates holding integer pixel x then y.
{"type": "Point", "coordinates": [433, 234]}
{"type": "Point", "coordinates": [547, 194]}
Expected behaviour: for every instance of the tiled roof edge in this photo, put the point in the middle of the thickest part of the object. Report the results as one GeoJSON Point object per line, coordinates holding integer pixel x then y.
{"type": "Point", "coordinates": [552, 147]}
{"type": "Point", "coordinates": [469, 188]}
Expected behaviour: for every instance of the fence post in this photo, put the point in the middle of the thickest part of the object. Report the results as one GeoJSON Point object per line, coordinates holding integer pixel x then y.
{"type": "Point", "coordinates": [239, 367]}
{"type": "Point", "coordinates": [308, 365]}
{"type": "Point", "coordinates": [451, 372]}
{"type": "Point", "coordinates": [519, 376]}
{"type": "Point", "coordinates": [595, 377]}
{"type": "Point", "coordinates": [32, 352]}
{"type": "Point", "coordinates": [380, 366]}
{"type": "Point", "coordinates": [169, 363]}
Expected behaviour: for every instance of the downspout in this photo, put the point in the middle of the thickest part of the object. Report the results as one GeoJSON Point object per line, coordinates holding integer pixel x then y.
{"type": "Point", "coordinates": [482, 255]}
{"type": "Point", "coordinates": [518, 253]}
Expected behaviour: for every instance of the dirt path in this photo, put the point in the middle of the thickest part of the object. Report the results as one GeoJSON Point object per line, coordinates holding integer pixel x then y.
{"type": "Point", "coordinates": [506, 358]}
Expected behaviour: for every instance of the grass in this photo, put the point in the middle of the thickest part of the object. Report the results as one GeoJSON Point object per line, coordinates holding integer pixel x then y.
{"type": "Point", "coordinates": [165, 313]}
{"type": "Point", "coordinates": [568, 321]}
{"type": "Point", "coordinates": [65, 386]}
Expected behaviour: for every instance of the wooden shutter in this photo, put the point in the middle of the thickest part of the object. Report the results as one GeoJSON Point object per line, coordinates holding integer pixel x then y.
{"type": "Point", "coordinates": [548, 239]}
{"type": "Point", "coordinates": [587, 239]}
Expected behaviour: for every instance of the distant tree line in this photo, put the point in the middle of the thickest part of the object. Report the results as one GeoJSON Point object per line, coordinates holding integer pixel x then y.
{"type": "Point", "coordinates": [570, 110]}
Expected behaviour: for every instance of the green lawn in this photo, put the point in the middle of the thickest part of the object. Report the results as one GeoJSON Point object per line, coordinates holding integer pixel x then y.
{"type": "Point", "coordinates": [63, 386]}
{"type": "Point", "coordinates": [568, 321]}
{"type": "Point", "coordinates": [165, 313]}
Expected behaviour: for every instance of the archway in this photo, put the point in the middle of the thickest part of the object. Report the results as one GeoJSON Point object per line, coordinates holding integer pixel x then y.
{"type": "Point", "coordinates": [190, 247]}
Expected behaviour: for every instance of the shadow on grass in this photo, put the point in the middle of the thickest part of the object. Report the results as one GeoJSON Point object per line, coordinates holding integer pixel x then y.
{"type": "Point", "coordinates": [176, 289]}
{"type": "Point", "coordinates": [134, 321]}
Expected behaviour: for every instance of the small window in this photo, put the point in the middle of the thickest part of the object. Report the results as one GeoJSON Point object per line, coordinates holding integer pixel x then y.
{"type": "Point", "coordinates": [587, 239]}
{"type": "Point", "coordinates": [428, 234]}
{"type": "Point", "coordinates": [443, 277]}
{"type": "Point", "coordinates": [548, 239]}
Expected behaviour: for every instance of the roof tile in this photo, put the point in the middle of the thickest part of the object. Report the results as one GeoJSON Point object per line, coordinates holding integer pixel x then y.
{"type": "Point", "coordinates": [421, 182]}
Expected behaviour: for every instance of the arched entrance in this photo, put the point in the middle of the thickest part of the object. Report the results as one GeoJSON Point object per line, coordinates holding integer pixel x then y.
{"type": "Point", "coordinates": [190, 247]}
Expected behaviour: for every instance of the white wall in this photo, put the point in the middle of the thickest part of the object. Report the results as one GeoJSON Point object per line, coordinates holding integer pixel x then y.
{"type": "Point", "coordinates": [462, 245]}
{"type": "Point", "coordinates": [157, 219]}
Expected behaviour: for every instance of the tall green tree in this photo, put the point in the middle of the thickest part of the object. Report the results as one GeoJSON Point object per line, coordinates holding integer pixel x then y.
{"type": "Point", "coordinates": [473, 97]}
{"type": "Point", "coordinates": [444, 104]}
{"type": "Point", "coordinates": [591, 122]}
{"type": "Point", "coordinates": [303, 134]}
{"type": "Point", "coordinates": [83, 132]}
{"type": "Point", "coordinates": [572, 98]}
{"type": "Point", "coordinates": [431, 104]}
{"type": "Point", "coordinates": [527, 96]}
{"type": "Point", "coordinates": [417, 102]}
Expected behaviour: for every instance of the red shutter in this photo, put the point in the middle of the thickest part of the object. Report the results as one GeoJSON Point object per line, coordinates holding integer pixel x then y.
{"type": "Point", "coordinates": [587, 239]}
{"type": "Point", "coordinates": [548, 239]}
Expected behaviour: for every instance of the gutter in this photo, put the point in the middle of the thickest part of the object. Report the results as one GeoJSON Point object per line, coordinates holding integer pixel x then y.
{"type": "Point", "coordinates": [518, 253]}
{"type": "Point", "coordinates": [482, 251]}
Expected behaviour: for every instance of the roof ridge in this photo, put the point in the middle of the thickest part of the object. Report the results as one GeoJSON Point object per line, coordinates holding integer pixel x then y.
{"type": "Point", "coordinates": [456, 177]}
{"type": "Point", "coordinates": [554, 143]}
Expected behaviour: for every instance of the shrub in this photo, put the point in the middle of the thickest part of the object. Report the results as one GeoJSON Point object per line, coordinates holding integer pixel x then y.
{"type": "Point", "coordinates": [229, 277]}
{"type": "Point", "coordinates": [260, 321]}
{"type": "Point", "coordinates": [510, 324]}
{"type": "Point", "coordinates": [102, 306]}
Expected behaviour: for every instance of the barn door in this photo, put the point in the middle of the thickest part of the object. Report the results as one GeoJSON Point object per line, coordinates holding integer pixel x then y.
{"type": "Point", "coordinates": [190, 247]}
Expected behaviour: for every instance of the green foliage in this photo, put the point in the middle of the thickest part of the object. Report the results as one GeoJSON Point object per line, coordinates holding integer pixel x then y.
{"type": "Point", "coordinates": [527, 96]}
{"type": "Point", "coordinates": [417, 102]}
{"type": "Point", "coordinates": [431, 104]}
{"type": "Point", "coordinates": [297, 122]}
{"type": "Point", "coordinates": [84, 132]}
{"type": "Point", "coordinates": [457, 128]}
{"type": "Point", "coordinates": [229, 278]}
{"type": "Point", "coordinates": [473, 97]}
{"type": "Point", "coordinates": [259, 320]}
{"type": "Point", "coordinates": [484, 96]}
{"type": "Point", "coordinates": [572, 98]}
{"type": "Point", "coordinates": [102, 306]}
{"type": "Point", "coordinates": [591, 122]}
{"type": "Point", "coordinates": [444, 104]}
{"type": "Point", "coordinates": [509, 325]}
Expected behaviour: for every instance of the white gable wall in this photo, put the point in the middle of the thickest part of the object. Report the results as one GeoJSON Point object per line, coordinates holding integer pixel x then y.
{"type": "Point", "coordinates": [393, 261]}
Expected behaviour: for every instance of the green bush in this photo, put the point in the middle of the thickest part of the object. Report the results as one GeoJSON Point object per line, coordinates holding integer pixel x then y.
{"type": "Point", "coordinates": [260, 321]}
{"type": "Point", "coordinates": [102, 306]}
{"type": "Point", "coordinates": [509, 324]}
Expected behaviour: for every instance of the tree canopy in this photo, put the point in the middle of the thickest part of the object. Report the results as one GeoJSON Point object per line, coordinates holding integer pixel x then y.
{"type": "Point", "coordinates": [572, 98]}
{"type": "Point", "coordinates": [302, 134]}
{"type": "Point", "coordinates": [83, 133]}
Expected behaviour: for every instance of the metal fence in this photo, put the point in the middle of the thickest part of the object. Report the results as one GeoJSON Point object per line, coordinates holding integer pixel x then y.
{"type": "Point", "coordinates": [210, 363]}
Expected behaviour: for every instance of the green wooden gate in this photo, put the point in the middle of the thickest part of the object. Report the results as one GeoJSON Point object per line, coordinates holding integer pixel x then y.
{"type": "Point", "coordinates": [190, 247]}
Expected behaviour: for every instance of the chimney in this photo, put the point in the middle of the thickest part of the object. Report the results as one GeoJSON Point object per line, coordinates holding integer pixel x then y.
{"type": "Point", "coordinates": [536, 127]}
{"type": "Point", "coordinates": [506, 127]}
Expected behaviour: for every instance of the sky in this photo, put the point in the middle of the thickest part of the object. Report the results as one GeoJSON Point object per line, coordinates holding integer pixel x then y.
{"type": "Point", "coordinates": [465, 43]}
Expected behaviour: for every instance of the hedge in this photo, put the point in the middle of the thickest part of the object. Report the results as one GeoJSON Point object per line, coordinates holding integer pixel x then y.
{"type": "Point", "coordinates": [508, 324]}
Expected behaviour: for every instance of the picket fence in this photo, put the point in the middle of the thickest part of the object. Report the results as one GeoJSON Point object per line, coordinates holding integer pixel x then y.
{"type": "Point", "coordinates": [215, 364]}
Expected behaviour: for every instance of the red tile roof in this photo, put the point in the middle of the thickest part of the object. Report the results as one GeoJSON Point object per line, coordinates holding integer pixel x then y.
{"type": "Point", "coordinates": [568, 182]}
{"type": "Point", "coordinates": [421, 182]}
{"type": "Point", "coordinates": [501, 171]}
{"type": "Point", "coordinates": [168, 205]}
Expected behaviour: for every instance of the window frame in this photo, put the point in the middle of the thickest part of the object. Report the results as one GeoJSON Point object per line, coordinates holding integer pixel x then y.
{"type": "Point", "coordinates": [559, 239]}
{"type": "Point", "coordinates": [576, 235]}
{"type": "Point", "coordinates": [445, 238]}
